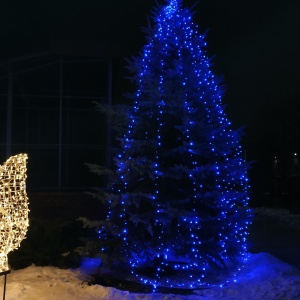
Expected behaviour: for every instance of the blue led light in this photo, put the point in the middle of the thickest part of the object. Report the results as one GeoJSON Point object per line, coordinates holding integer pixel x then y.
{"type": "Point", "coordinates": [181, 198]}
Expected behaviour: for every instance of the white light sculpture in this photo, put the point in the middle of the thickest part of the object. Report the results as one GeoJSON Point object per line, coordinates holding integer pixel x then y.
{"type": "Point", "coordinates": [13, 206]}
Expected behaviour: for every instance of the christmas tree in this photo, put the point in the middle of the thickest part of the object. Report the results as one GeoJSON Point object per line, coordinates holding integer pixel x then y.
{"type": "Point", "coordinates": [178, 207]}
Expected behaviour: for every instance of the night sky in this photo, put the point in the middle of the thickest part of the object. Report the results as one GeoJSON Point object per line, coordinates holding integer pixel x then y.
{"type": "Point", "coordinates": [256, 43]}
{"type": "Point", "coordinates": [256, 46]}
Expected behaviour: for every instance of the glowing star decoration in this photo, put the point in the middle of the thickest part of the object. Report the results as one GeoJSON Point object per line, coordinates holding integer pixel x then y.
{"type": "Point", "coordinates": [13, 206]}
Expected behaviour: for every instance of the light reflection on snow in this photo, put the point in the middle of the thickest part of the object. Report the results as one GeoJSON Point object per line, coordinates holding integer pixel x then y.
{"type": "Point", "coordinates": [264, 277]}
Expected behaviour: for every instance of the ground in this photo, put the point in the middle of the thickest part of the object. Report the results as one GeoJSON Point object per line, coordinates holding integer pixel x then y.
{"type": "Point", "coordinates": [273, 271]}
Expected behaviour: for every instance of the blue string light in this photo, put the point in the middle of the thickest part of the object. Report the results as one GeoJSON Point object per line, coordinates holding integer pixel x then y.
{"type": "Point", "coordinates": [179, 138]}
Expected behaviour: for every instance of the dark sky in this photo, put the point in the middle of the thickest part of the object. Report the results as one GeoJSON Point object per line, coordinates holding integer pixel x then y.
{"type": "Point", "coordinates": [259, 37]}
{"type": "Point", "coordinates": [256, 46]}
{"type": "Point", "coordinates": [256, 43]}
{"type": "Point", "coordinates": [30, 23]}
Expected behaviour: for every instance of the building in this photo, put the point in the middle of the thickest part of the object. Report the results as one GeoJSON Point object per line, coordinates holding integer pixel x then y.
{"type": "Point", "coordinates": [47, 107]}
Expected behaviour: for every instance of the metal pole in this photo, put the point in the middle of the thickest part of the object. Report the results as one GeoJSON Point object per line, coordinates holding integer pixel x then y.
{"type": "Point", "coordinates": [9, 111]}
{"type": "Point", "coordinates": [60, 126]}
{"type": "Point", "coordinates": [4, 288]}
{"type": "Point", "coordinates": [108, 119]}
{"type": "Point", "coordinates": [4, 273]}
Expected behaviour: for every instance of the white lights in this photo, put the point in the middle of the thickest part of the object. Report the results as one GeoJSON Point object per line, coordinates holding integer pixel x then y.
{"type": "Point", "coordinates": [13, 206]}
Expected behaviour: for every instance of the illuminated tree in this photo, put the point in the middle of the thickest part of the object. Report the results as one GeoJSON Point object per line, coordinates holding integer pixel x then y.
{"type": "Point", "coordinates": [179, 206]}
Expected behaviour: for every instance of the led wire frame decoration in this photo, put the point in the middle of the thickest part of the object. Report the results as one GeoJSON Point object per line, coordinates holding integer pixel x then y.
{"type": "Point", "coordinates": [13, 206]}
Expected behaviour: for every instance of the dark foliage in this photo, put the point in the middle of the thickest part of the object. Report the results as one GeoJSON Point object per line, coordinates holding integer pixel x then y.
{"type": "Point", "coordinates": [49, 243]}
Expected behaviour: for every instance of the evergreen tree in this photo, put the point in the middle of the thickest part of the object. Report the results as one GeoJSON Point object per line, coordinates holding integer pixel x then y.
{"type": "Point", "coordinates": [178, 207]}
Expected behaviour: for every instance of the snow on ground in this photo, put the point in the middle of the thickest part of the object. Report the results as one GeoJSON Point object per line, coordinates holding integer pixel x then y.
{"type": "Point", "coordinates": [263, 278]}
